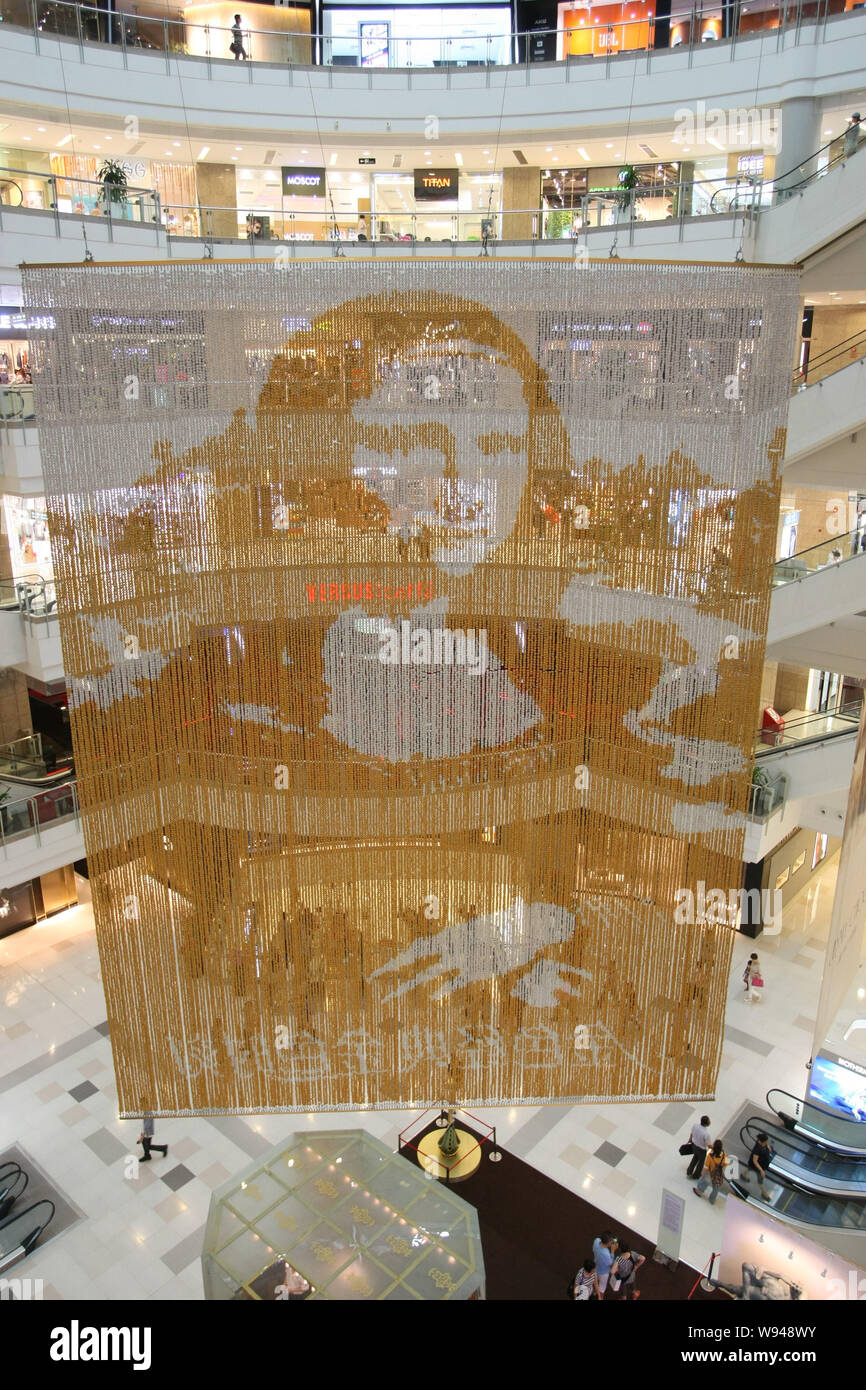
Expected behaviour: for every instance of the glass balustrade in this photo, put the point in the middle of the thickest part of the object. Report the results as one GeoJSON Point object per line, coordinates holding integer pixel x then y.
{"type": "Point", "coordinates": [824, 555]}
{"type": "Point", "coordinates": [31, 815]}
{"type": "Point", "coordinates": [811, 728]}
{"type": "Point", "coordinates": [35, 192]}
{"type": "Point", "coordinates": [360, 39]}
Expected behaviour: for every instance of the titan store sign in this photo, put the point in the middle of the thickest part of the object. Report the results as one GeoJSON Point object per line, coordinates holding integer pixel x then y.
{"type": "Point", "coordinates": [303, 181]}
{"type": "Point", "coordinates": [434, 185]}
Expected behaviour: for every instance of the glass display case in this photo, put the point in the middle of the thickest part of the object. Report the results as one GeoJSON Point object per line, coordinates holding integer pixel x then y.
{"type": "Point", "coordinates": [339, 1216]}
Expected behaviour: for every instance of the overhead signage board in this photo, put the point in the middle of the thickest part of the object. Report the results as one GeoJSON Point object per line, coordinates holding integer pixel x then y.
{"type": "Point", "coordinates": [303, 182]}
{"type": "Point", "coordinates": [436, 185]}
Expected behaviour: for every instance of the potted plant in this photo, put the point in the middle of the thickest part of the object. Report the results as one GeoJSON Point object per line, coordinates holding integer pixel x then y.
{"type": "Point", "coordinates": [112, 176]}
{"type": "Point", "coordinates": [628, 179]}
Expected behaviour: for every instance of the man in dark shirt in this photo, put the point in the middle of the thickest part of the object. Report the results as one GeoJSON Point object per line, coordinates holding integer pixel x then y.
{"type": "Point", "coordinates": [759, 1160]}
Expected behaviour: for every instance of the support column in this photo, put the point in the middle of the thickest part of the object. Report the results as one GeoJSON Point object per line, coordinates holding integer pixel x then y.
{"type": "Point", "coordinates": [799, 139]}
{"type": "Point", "coordinates": [521, 189]}
{"type": "Point", "coordinates": [216, 188]}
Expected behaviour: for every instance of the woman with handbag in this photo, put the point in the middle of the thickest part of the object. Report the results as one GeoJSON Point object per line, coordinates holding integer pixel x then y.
{"type": "Point", "coordinates": [624, 1272]}
{"type": "Point", "coordinates": [714, 1172]}
{"type": "Point", "coordinates": [586, 1282]}
{"type": "Point", "coordinates": [755, 983]}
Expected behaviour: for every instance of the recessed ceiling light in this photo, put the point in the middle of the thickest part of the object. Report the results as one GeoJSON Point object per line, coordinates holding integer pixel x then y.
{"type": "Point", "coordinates": [828, 132]}
{"type": "Point", "coordinates": [41, 129]}
{"type": "Point", "coordinates": [97, 147]}
{"type": "Point", "coordinates": [490, 161]}
{"type": "Point", "coordinates": [175, 143]}
{"type": "Point", "coordinates": [205, 149]}
{"type": "Point", "coordinates": [610, 146]}
{"type": "Point", "coordinates": [106, 137]}
{"type": "Point", "coordinates": [582, 152]}
{"type": "Point", "coordinates": [458, 158]}
{"type": "Point", "coordinates": [548, 149]}
{"type": "Point", "coordinates": [305, 151]}
{"type": "Point", "coordinates": [234, 159]}
{"type": "Point", "coordinates": [168, 152]}
{"type": "Point", "coordinates": [238, 148]}
{"type": "Point", "coordinates": [332, 161]}
{"type": "Point", "coordinates": [25, 137]}
{"type": "Point", "coordinates": [485, 151]}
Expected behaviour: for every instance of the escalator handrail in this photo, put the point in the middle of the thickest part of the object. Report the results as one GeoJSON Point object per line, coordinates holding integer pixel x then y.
{"type": "Point", "coordinates": [799, 1143]}
{"type": "Point", "coordinates": [12, 1184]}
{"type": "Point", "coordinates": [824, 1140]}
{"type": "Point", "coordinates": [29, 1240]}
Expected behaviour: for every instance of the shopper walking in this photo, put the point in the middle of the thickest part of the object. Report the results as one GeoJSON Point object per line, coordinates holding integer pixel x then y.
{"type": "Point", "coordinates": [624, 1272]}
{"type": "Point", "coordinates": [751, 965]}
{"type": "Point", "coordinates": [700, 1140]}
{"type": "Point", "coordinates": [237, 44]}
{"type": "Point", "coordinates": [604, 1249]}
{"type": "Point", "coordinates": [851, 143]}
{"type": "Point", "coordinates": [146, 1137]}
{"type": "Point", "coordinates": [586, 1282]}
{"type": "Point", "coordinates": [755, 982]}
{"type": "Point", "coordinates": [714, 1172]}
{"type": "Point", "coordinates": [759, 1160]}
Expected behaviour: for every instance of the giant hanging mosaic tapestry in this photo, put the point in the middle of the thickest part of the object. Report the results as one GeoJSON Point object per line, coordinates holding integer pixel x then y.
{"type": "Point", "coordinates": [413, 615]}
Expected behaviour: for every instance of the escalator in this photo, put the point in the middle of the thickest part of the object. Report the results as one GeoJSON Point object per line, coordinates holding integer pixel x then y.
{"type": "Point", "coordinates": [831, 1131]}
{"type": "Point", "coordinates": [791, 1204]}
{"type": "Point", "coordinates": [20, 1231]}
{"type": "Point", "coordinates": [800, 1162]}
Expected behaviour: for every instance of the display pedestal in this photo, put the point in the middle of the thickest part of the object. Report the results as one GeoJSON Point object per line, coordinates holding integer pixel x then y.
{"type": "Point", "coordinates": [453, 1167]}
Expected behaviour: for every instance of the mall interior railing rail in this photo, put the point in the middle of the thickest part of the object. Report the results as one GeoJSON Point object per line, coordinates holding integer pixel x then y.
{"type": "Point", "coordinates": [812, 728]}
{"type": "Point", "coordinates": [28, 189]}
{"type": "Point", "coordinates": [31, 815]}
{"type": "Point", "coordinates": [261, 227]}
{"type": "Point", "coordinates": [33, 594]}
{"type": "Point", "coordinates": [835, 551]}
{"type": "Point", "coordinates": [375, 45]}
{"type": "Point", "coordinates": [831, 360]}
{"type": "Point", "coordinates": [17, 405]}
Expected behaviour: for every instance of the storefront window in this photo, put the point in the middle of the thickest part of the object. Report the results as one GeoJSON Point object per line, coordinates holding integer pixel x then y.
{"type": "Point", "coordinates": [574, 198]}
{"type": "Point", "coordinates": [27, 532]}
{"type": "Point", "coordinates": [601, 29]}
{"type": "Point", "coordinates": [409, 37]}
{"type": "Point", "coordinates": [399, 216]}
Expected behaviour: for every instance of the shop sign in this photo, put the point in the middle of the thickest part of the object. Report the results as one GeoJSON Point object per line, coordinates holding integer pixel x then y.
{"type": "Point", "coordinates": [435, 185]}
{"type": "Point", "coordinates": [303, 181]}
{"type": "Point", "coordinates": [134, 169]}
{"type": "Point", "coordinates": [16, 323]}
{"type": "Point", "coordinates": [368, 159]}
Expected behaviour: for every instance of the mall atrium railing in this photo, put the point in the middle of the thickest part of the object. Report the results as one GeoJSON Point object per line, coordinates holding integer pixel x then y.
{"type": "Point", "coordinates": [822, 556]}
{"type": "Point", "coordinates": [812, 728]}
{"type": "Point", "coordinates": [27, 760]}
{"type": "Point", "coordinates": [666, 201]}
{"type": "Point", "coordinates": [380, 45]}
{"type": "Point", "coordinates": [31, 815]}
{"type": "Point", "coordinates": [32, 594]}
{"type": "Point", "coordinates": [832, 359]}
{"type": "Point", "coordinates": [23, 188]}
